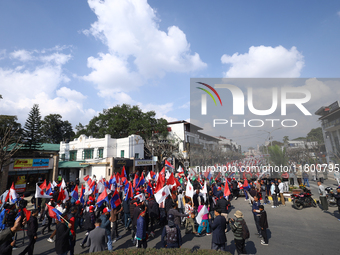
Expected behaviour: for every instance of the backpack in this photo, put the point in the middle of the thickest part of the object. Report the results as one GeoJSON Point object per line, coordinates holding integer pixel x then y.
{"type": "Point", "coordinates": [171, 234]}
{"type": "Point", "coordinates": [277, 190]}
{"type": "Point", "coordinates": [245, 230]}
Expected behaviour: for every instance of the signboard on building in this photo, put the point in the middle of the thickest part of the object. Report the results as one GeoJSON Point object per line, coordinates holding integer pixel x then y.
{"type": "Point", "coordinates": [144, 162]}
{"type": "Point", "coordinates": [20, 184]}
{"type": "Point", "coordinates": [122, 162]}
{"type": "Point", "coordinates": [334, 106]}
{"type": "Point", "coordinates": [31, 163]}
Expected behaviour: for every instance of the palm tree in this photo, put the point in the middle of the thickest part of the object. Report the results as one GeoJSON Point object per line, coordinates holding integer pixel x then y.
{"type": "Point", "coordinates": [278, 155]}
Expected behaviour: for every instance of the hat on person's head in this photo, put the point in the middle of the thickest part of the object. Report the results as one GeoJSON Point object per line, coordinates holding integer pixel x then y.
{"type": "Point", "coordinates": [219, 188]}
{"type": "Point", "coordinates": [171, 217]}
{"type": "Point", "coordinates": [238, 214]}
{"type": "Point", "coordinates": [106, 210]}
{"type": "Point", "coordinates": [91, 209]}
{"type": "Point", "coordinates": [77, 202]}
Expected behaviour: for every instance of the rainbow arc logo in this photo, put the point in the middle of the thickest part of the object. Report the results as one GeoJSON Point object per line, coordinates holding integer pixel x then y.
{"type": "Point", "coordinates": [209, 93]}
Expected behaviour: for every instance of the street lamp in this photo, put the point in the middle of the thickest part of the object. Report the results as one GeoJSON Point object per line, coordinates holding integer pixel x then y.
{"type": "Point", "coordinates": [269, 132]}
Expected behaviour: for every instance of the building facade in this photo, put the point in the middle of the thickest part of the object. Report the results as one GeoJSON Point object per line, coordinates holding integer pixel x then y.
{"type": "Point", "coordinates": [330, 124]}
{"type": "Point", "coordinates": [99, 156]}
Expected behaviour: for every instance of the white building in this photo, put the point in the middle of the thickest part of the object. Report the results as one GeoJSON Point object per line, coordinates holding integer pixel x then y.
{"type": "Point", "coordinates": [194, 141]}
{"type": "Point", "coordinates": [99, 156]}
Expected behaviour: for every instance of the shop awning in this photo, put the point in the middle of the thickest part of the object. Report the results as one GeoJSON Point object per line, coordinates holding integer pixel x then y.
{"type": "Point", "coordinates": [72, 164]}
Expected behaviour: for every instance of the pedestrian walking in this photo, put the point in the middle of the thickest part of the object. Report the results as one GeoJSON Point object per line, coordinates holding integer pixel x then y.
{"type": "Point", "coordinates": [323, 198]}
{"type": "Point", "coordinates": [62, 244]}
{"type": "Point", "coordinates": [106, 224]}
{"type": "Point", "coordinates": [273, 190]}
{"type": "Point", "coordinates": [263, 225]}
{"type": "Point", "coordinates": [97, 238]}
{"type": "Point", "coordinates": [282, 199]}
{"type": "Point", "coordinates": [237, 228]}
{"type": "Point", "coordinates": [171, 235]}
{"type": "Point", "coordinates": [89, 224]}
{"type": "Point", "coordinates": [218, 231]}
{"type": "Point", "coordinates": [32, 228]}
{"type": "Point", "coordinates": [204, 223]}
{"type": "Point", "coordinates": [256, 214]}
{"type": "Point", "coordinates": [190, 220]}
{"type": "Point", "coordinates": [114, 223]}
{"type": "Point", "coordinates": [141, 229]}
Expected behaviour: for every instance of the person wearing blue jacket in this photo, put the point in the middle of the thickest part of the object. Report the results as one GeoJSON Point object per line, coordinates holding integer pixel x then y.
{"type": "Point", "coordinates": [218, 231]}
{"type": "Point", "coordinates": [256, 213]}
{"type": "Point", "coordinates": [106, 224]}
{"type": "Point", "coordinates": [141, 229]}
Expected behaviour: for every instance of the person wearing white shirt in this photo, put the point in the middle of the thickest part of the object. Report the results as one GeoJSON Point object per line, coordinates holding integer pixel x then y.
{"type": "Point", "coordinates": [281, 193]}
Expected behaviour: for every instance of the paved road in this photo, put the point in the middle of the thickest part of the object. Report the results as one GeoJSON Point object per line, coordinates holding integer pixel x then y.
{"type": "Point", "coordinates": [308, 231]}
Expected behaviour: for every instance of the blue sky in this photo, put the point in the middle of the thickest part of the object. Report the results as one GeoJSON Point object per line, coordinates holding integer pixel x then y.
{"type": "Point", "coordinates": [79, 57]}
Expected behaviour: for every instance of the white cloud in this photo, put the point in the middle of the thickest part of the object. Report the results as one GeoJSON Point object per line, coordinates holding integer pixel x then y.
{"type": "Point", "coordinates": [138, 49]}
{"type": "Point", "coordinates": [185, 106]}
{"type": "Point", "coordinates": [38, 82]}
{"type": "Point", "coordinates": [262, 61]}
{"type": "Point", "coordinates": [338, 13]}
{"type": "Point", "coordinates": [57, 58]}
{"type": "Point", "coordinates": [22, 55]}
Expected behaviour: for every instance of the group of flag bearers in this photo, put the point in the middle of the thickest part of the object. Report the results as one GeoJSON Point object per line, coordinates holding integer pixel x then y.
{"type": "Point", "coordinates": [101, 201]}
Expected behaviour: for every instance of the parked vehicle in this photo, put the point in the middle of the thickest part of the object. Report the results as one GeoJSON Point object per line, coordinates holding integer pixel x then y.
{"type": "Point", "coordinates": [304, 199]}
{"type": "Point", "coordinates": [330, 197]}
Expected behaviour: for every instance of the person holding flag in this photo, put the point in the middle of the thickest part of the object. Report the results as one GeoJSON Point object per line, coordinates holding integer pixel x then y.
{"type": "Point", "coordinates": [116, 208]}
{"type": "Point", "coordinates": [32, 228]}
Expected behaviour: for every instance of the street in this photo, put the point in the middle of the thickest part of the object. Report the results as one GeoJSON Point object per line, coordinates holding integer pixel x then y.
{"type": "Point", "coordinates": [291, 231]}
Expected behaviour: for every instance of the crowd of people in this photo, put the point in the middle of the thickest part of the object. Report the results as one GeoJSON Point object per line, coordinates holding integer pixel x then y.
{"type": "Point", "coordinates": [205, 212]}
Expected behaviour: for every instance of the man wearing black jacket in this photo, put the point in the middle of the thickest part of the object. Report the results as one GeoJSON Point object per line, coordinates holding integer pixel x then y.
{"type": "Point", "coordinates": [197, 199]}
{"type": "Point", "coordinates": [32, 228]}
{"type": "Point", "coordinates": [218, 228]}
{"type": "Point", "coordinates": [263, 225]}
{"type": "Point", "coordinates": [223, 205]}
{"type": "Point", "coordinates": [62, 244]}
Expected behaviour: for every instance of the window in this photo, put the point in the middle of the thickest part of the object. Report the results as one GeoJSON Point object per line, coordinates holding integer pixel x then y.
{"type": "Point", "coordinates": [136, 155]}
{"type": "Point", "coordinates": [122, 153]}
{"type": "Point", "coordinates": [84, 172]}
{"type": "Point", "coordinates": [109, 171]}
{"type": "Point", "coordinates": [73, 155]}
{"type": "Point", "coordinates": [62, 157]}
{"type": "Point", "coordinates": [88, 154]}
{"type": "Point", "coordinates": [100, 152]}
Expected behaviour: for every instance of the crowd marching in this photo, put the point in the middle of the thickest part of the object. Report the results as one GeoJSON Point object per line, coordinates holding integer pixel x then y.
{"type": "Point", "coordinates": [140, 202]}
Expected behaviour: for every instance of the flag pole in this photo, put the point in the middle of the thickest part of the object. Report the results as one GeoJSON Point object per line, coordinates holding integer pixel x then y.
{"type": "Point", "coordinates": [64, 219]}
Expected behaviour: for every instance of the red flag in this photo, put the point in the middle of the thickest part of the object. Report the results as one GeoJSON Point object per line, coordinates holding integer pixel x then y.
{"type": "Point", "coordinates": [43, 185]}
{"type": "Point", "coordinates": [226, 190]}
{"type": "Point", "coordinates": [61, 195]}
{"type": "Point", "coordinates": [86, 178]}
{"type": "Point", "coordinates": [171, 180]}
{"type": "Point", "coordinates": [135, 180]}
{"type": "Point", "coordinates": [27, 214]}
{"type": "Point", "coordinates": [160, 183]}
{"type": "Point", "coordinates": [118, 178]}
{"type": "Point", "coordinates": [123, 174]}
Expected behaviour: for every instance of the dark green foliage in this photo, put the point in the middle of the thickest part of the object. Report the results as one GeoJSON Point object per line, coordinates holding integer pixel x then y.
{"type": "Point", "coordinates": [122, 121]}
{"type": "Point", "coordinates": [7, 121]}
{"type": "Point", "coordinates": [54, 129]}
{"type": "Point", "coordinates": [278, 155]}
{"type": "Point", "coordinates": [152, 251]}
{"type": "Point", "coordinates": [32, 129]}
{"type": "Point", "coordinates": [316, 135]}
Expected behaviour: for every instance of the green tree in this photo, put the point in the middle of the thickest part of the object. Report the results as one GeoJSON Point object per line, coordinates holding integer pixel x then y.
{"type": "Point", "coordinates": [285, 139]}
{"type": "Point", "coordinates": [8, 121]}
{"type": "Point", "coordinates": [124, 120]}
{"type": "Point", "coordinates": [32, 129]}
{"type": "Point", "coordinates": [10, 143]}
{"type": "Point", "coordinates": [316, 135]}
{"type": "Point", "coordinates": [54, 129]}
{"type": "Point", "coordinates": [278, 155]}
